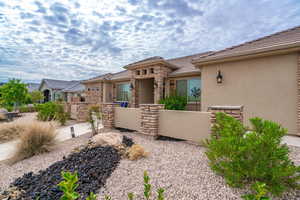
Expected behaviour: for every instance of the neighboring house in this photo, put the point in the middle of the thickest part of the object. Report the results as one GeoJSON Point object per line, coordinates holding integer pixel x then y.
{"type": "Point", "coordinates": [262, 75]}
{"type": "Point", "coordinates": [33, 87]}
{"type": "Point", "coordinates": [54, 90]}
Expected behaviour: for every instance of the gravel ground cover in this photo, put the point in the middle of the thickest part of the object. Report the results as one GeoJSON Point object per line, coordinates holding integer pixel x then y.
{"type": "Point", "coordinates": [177, 166]}
{"type": "Point", "coordinates": [180, 168]}
{"type": "Point", "coordinates": [40, 162]}
{"type": "Point", "coordinates": [94, 166]}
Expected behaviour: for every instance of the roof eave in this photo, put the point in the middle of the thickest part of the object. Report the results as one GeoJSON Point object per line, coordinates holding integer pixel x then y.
{"type": "Point", "coordinates": [150, 63]}
{"type": "Point", "coordinates": [273, 50]}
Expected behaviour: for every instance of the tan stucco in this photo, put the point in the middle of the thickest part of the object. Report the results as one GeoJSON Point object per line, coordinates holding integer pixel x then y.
{"type": "Point", "coordinates": [267, 87]}
{"type": "Point", "coordinates": [129, 118]}
{"type": "Point", "coordinates": [188, 125]}
{"type": "Point", "coordinates": [146, 91]}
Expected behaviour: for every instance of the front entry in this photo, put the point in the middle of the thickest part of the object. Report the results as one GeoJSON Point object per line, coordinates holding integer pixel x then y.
{"type": "Point", "coordinates": [46, 95]}
{"type": "Point", "coordinates": [146, 91]}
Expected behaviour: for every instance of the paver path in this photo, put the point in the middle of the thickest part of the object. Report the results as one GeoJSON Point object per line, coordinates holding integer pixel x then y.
{"type": "Point", "coordinates": [64, 133]}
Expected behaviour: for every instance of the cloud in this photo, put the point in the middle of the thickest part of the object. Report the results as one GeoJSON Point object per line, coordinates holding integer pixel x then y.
{"type": "Point", "coordinates": [78, 39]}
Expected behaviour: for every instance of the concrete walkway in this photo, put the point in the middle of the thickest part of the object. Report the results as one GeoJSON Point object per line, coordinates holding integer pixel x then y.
{"type": "Point", "coordinates": [64, 133]}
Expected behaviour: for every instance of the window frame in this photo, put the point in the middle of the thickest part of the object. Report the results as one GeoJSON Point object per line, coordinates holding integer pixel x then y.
{"type": "Point", "coordinates": [117, 90]}
{"type": "Point", "coordinates": [187, 88]}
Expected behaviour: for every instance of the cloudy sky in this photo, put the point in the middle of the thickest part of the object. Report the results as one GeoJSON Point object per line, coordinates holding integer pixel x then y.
{"type": "Point", "coordinates": [78, 39]}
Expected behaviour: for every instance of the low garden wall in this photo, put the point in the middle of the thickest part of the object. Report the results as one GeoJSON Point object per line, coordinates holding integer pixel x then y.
{"type": "Point", "coordinates": [129, 118]}
{"type": "Point", "coordinates": [188, 125]}
{"type": "Point", "coordinates": [153, 120]}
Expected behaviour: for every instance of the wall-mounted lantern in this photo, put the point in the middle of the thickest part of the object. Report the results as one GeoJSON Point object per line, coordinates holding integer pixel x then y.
{"type": "Point", "coordinates": [219, 77]}
{"type": "Point", "coordinates": [155, 84]}
{"type": "Point", "coordinates": [131, 86]}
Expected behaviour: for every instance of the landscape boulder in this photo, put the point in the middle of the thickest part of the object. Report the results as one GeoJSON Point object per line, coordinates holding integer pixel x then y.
{"type": "Point", "coordinates": [107, 139]}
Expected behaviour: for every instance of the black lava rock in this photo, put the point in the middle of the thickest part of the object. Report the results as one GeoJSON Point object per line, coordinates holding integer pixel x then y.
{"type": "Point", "coordinates": [94, 166]}
{"type": "Point", "coordinates": [127, 141]}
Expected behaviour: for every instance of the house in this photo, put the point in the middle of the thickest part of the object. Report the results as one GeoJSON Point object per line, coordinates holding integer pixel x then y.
{"type": "Point", "coordinates": [55, 90]}
{"type": "Point", "coordinates": [262, 75]}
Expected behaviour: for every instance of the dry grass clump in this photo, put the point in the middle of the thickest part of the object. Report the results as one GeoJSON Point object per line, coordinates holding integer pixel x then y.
{"type": "Point", "coordinates": [10, 131]}
{"type": "Point", "coordinates": [37, 138]}
{"type": "Point", "coordinates": [136, 152]}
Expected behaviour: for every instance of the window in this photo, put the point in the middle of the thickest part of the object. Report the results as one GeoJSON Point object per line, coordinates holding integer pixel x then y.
{"type": "Point", "coordinates": [190, 88]}
{"type": "Point", "coordinates": [123, 92]}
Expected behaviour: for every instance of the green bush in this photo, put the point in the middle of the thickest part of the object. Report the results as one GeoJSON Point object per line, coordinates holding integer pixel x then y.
{"type": "Point", "coordinates": [52, 111]}
{"type": "Point", "coordinates": [245, 156]}
{"type": "Point", "coordinates": [174, 102]}
{"type": "Point", "coordinates": [69, 185]}
{"type": "Point", "coordinates": [27, 109]}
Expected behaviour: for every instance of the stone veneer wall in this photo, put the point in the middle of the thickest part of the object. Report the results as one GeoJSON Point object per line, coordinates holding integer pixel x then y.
{"type": "Point", "coordinates": [93, 92]}
{"type": "Point", "coordinates": [234, 111]}
{"type": "Point", "coordinates": [149, 118]}
{"type": "Point", "coordinates": [108, 113]}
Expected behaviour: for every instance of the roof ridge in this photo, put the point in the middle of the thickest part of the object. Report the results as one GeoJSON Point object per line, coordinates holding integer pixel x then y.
{"type": "Point", "coordinates": [196, 54]}
{"type": "Point", "coordinates": [255, 40]}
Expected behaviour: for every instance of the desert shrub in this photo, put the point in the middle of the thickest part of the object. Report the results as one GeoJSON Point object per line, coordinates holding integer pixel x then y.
{"type": "Point", "coordinates": [136, 152]}
{"type": "Point", "coordinates": [94, 118]}
{"type": "Point", "coordinates": [174, 102]}
{"type": "Point", "coordinates": [27, 109]}
{"type": "Point", "coordinates": [61, 115]}
{"type": "Point", "coordinates": [69, 185]}
{"type": "Point", "coordinates": [245, 156]}
{"type": "Point", "coordinates": [37, 138]}
{"type": "Point", "coordinates": [46, 111]}
{"type": "Point", "coordinates": [52, 111]}
{"type": "Point", "coordinates": [10, 131]}
{"type": "Point", "coordinates": [260, 190]}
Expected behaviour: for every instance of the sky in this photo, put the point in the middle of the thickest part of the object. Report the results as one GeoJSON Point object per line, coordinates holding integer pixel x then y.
{"type": "Point", "coordinates": [80, 39]}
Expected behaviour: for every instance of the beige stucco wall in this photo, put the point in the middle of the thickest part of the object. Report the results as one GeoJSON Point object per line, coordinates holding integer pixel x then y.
{"type": "Point", "coordinates": [188, 125]}
{"type": "Point", "coordinates": [129, 118]}
{"type": "Point", "coordinates": [267, 87]}
{"type": "Point", "coordinates": [107, 92]}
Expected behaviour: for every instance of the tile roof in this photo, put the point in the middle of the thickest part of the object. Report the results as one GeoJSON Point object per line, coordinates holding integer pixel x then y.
{"type": "Point", "coordinates": [125, 74]}
{"type": "Point", "coordinates": [185, 65]}
{"type": "Point", "coordinates": [99, 78]}
{"type": "Point", "coordinates": [151, 59]}
{"type": "Point", "coordinates": [76, 87]}
{"type": "Point", "coordinates": [58, 84]}
{"type": "Point", "coordinates": [281, 38]}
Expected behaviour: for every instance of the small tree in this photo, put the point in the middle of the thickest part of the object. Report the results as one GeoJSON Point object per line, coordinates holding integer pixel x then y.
{"type": "Point", "coordinates": [13, 93]}
{"type": "Point", "coordinates": [36, 96]}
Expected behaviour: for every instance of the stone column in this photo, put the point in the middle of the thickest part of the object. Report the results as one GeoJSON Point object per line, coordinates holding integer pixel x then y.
{"type": "Point", "coordinates": [108, 112]}
{"type": "Point", "coordinates": [234, 111]}
{"type": "Point", "coordinates": [150, 118]}
{"type": "Point", "coordinates": [134, 102]}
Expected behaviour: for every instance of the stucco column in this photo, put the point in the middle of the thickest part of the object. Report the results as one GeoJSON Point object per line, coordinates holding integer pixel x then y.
{"type": "Point", "coordinates": [150, 118]}
{"type": "Point", "coordinates": [108, 112]}
{"type": "Point", "coordinates": [298, 94]}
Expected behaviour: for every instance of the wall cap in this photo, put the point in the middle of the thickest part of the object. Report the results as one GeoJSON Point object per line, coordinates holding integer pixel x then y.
{"type": "Point", "coordinates": [225, 107]}
{"type": "Point", "coordinates": [151, 104]}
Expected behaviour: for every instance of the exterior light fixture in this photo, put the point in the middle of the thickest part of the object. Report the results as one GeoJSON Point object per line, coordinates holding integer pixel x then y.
{"type": "Point", "coordinates": [155, 84]}
{"type": "Point", "coordinates": [131, 86]}
{"type": "Point", "coordinates": [219, 77]}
